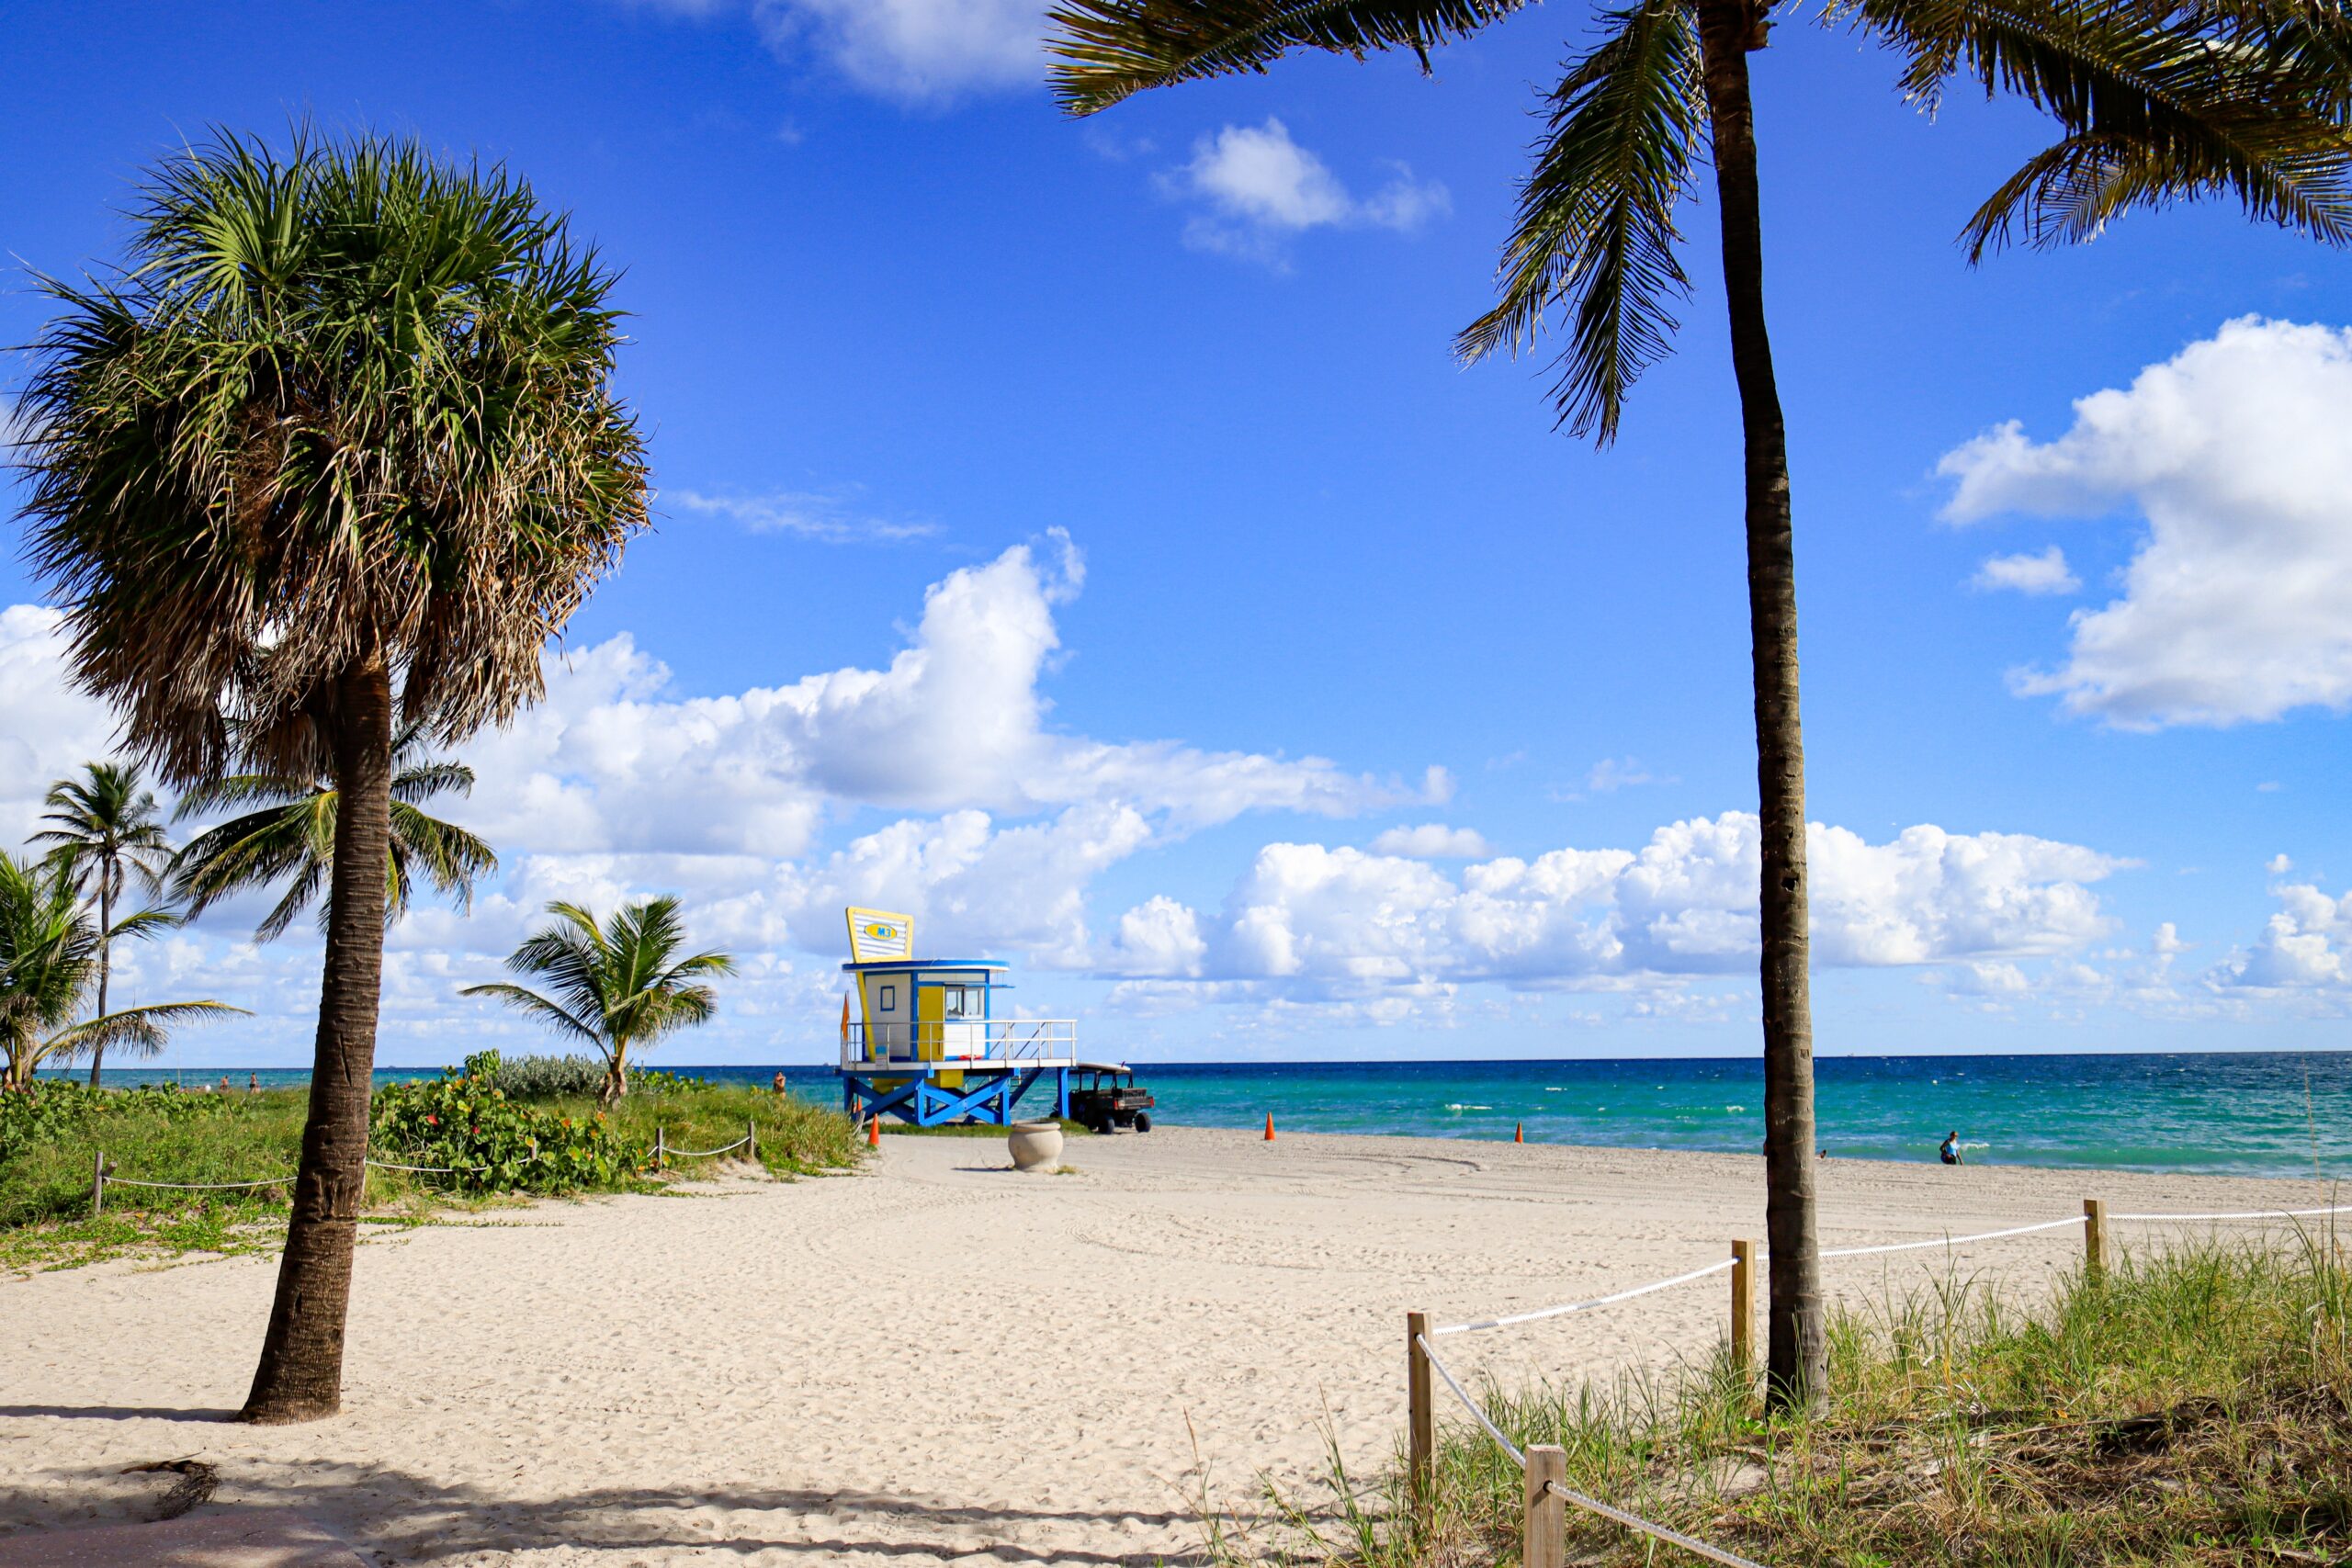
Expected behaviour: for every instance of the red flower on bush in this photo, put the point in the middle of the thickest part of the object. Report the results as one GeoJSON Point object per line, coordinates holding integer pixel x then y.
{"type": "Point", "coordinates": [431, 1119]}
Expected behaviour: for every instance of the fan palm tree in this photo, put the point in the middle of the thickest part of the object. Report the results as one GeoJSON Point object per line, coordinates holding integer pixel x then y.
{"type": "Point", "coordinates": [291, 839]}
{"type": "Point", "coordinates": [2154, 103]}
{"type": "Point", "coordinates": [617, 986]}
{"type": "Point", "coordinates": [337, 451]}
{"type": "Point", "coordinates": [52, 955]}
{"type": "Point", "coordinates": [107, 832]}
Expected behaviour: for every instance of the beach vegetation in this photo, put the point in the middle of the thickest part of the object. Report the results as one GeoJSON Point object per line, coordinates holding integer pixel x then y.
{"type": "Point", "coordinates": [107, 831]}
{"type": "Point", "coordinates": [52, 957]}
{"type": "Point", "coordinates": [2153, 106]}
{"type": "Point", "coordinates": [617, 986]}
{"type": "Point", "coordinates": [2190, 1405]}
{"type": "Point", "coordinates": [548, 1077]}
{"type": "Point", "coordinates": [284, 833]}
{"type": "Point", "coordinates": [51, 1133]}
{"type": "Point", "coordinates": [335, 452]}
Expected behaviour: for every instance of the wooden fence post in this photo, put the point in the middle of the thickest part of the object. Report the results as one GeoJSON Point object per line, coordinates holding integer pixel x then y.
{"type": "Point", "coordinates": [752, 1139]}
{"type": "Point", "coordinates": [1421, 1417]}
{"type": "Point", "coordinates": [2094, 1237]}
{"type": "Point", "coordinates": [1543, 1542]}
{"type": "Point", "coordinates": [660, 1148]}
{"type": "Point", "coordinates": [1743, 1304]}
{"type": "Point", "coordinates": [98, 1185]}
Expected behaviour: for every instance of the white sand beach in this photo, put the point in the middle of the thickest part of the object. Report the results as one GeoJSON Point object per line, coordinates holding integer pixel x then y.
{"type": "Point", "coordinates": [934, 1358]}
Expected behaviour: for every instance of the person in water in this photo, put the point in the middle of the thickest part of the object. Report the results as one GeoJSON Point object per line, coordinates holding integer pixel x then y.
{"type": "Point", "coordinates": [1949, 1153]}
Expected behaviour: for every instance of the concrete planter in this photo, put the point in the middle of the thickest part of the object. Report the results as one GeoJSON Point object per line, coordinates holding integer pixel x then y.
{"type": "Point", "coordinates": [1036, 1145]}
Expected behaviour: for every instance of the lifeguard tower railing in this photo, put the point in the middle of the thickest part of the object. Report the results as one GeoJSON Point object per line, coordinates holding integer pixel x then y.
{"type": "Point", "coordinates": [936, 1045]}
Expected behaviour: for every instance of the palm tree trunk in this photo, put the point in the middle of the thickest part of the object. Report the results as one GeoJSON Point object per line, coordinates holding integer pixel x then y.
{"type": "Point", "coordinates": [301, 1375]}
{"type": "Point", "coordinates": [105, 962]}
{"type": "Point", "coordinates": [1797, 1354]}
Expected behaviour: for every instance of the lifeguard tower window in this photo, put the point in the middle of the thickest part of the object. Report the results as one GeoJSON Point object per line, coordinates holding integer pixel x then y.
{"type": "Point", "coordinates": [889, 998]}
{"type": "Point", "coordinates": [955, 999]}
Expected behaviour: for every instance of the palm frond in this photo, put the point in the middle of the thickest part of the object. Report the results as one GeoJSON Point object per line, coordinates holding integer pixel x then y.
{"type": "Point", "coordinates": [142, 1031]}
{"type": "Point", "coordinates": [1109, 50]}
{"type": "Point", "coordinates": [1596, 231]}
{"type": "Point", "coordinates": [539, 1007]}
{"type": "Point", "coordinates": [2156, 102]}
{"type": "Point", "coordinates": [146, 923]}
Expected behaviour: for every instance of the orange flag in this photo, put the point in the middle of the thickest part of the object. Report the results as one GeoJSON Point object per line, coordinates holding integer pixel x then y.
{"type": "Point", "coordinates": [845, 1018]}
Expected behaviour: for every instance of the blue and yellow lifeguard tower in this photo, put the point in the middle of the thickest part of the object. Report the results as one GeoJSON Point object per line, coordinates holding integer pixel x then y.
{"type": "Point", "coordinates": [927, 1045]}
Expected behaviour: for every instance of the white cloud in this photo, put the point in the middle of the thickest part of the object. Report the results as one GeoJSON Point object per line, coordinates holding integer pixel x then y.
{"type": "Point", "coordinates": [2305, 946]}
{"type": "Point", "coordinates": [1613, 773]}
{"type": "Point", "coordinates": [2278, 865]}
{"type": "Point", "coordinates": [46, 731]}
{"type": "Point", "coordinates": [915, 50]}
{"type": "Point", "coordinates": [2046, 572]}
{"type": "Point", "coordinates": [1433, 840]}
{"type": "Point", "coordinates": [1309, 921]}
{"type": "Point", "coordinates": [1261, 188]}
{"type": "Point", "coordinates": [2238, 603]}
{"type": "Point", "coordinates": [831, 517]}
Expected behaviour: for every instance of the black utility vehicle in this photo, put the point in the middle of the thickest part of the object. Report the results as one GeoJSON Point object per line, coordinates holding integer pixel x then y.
{"type": "Point", "coordinates": [1106, 1101]}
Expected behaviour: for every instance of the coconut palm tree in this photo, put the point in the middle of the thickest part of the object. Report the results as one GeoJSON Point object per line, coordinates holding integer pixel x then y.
{"type": "Point", "coordinates": [336, 452]}
{"type": "Point", "coordinates": [291, 839]}
{"type": "Point", "coordinates": [52, 955]}
{"type": "Point", "coordinates": [617, 986]}
{"type": "Point", "coordinates": [2153, 102]}
{"type": "Point", "coordinates": [107, 832]}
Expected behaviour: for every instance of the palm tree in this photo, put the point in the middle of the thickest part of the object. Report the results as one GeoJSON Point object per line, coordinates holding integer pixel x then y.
{"type": "Point", "coordinates": [52, 955]}
{"type": "Point", "coordinates": [615, 987]}
{"type": "Point", "coordinates": [107, 832]}
{"type": "Point", "coordinates": [2154, 104]}
{"type": "Point", "coordinates": [292, 835]}
{"type": "Point", "coordinates": [336, 452]}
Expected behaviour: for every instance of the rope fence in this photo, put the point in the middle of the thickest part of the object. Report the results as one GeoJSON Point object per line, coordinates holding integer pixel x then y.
{"type": "Point", "coordinates": [1543, 1524]}
{"type": "Point", "coordinates": [102, 1174]}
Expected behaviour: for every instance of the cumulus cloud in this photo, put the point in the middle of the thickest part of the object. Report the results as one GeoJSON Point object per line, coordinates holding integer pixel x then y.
{"type": "Point", "coordinates": [1260, 188]}
{"type": "Point", "coordinates": [48, 730]}
{"type": "Point", "coordinates": [2306, 945]}
{"type": "Point", "coordinates": [2046, 572]}
{"type": "Point", "coordinates": [2237, 604]}
{"type": "Point", "coordinates": [831, 517]}
{"type": "Point", "coordinates": [1433, 840]}
{"type": "Point", "coordinates": [1318, 920]}
{"type": "Point", "coordinates": [915, 50]}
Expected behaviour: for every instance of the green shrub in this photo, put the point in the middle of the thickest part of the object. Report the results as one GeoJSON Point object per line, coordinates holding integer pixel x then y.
{"type": "Point", "coordinates": [654, 1080]}
{"type": "Point", "coordinates": [490, 1142]}
{"type": "Point", "coordinates": [544, 1078]}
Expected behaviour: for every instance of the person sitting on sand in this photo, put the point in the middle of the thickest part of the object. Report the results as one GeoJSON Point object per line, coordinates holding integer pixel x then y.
{"type": "Point", "coordinates": [1949, 1153]}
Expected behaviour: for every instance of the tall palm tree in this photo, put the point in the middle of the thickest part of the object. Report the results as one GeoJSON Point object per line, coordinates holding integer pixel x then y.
{"type": "Point", "coordinates": [336, 451]}
{"type": "Point", "coordinates": [617, 986]}
{"type": "Point", "coordinates": [291, 838]}
{"type": "Point", "coordinates": [2154, 103]}
{"type": "Point", "coordinates": [51, 957]}
{"type": "Point", "coordinates": [107, 832]}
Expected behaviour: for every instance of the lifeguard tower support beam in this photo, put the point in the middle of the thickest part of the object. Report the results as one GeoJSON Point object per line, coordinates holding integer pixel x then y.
{"type": "Point", "coordinates": [927, 1045]}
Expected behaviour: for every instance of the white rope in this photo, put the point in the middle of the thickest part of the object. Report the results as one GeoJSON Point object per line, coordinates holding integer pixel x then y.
{"type": "Point", "coordinates": [1949, 1240]}
{"type": "Point", "coordinates": [1633, 1522]}
{"type": "Point", "coordinates": [199, 1186]}
{"type": "Point", "coordinates": [2246, 1214]}
{"type": "Point", "coordinates": [1484, 1323]}
{"type": "Point", "coordinates": [1471, 1404]}
{"type": "Point", "coordinates": [705, 1153]}
{"type": "Point", "coordinates": [431, 1169]}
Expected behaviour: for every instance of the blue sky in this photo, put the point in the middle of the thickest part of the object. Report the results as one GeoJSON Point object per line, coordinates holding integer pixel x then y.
{"type": "Point", "coordinates": [1226, 554]}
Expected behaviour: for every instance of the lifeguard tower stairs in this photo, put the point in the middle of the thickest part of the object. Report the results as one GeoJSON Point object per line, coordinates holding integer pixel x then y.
{"type": "Point", "coordinates": [927, 1045]}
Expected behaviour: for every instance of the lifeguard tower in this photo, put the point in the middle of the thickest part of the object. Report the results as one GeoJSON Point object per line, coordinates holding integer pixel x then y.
{"type": "Point", "coordinates": [927, 1045]}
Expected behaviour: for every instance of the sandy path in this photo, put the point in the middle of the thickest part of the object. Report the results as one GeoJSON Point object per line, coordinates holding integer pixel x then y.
{"type": "Point", "coordinates": [934, 1358]}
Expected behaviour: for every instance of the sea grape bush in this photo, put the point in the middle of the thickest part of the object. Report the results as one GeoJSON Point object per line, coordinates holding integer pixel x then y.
{"type": "Point", "coordinates": [468, 1124]}
{"type": "Point", "coordinates": [50, 1109]}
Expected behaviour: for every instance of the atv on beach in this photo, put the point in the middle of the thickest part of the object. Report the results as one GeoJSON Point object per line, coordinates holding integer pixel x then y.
{"type": "Point", "coordinates": [1106, 1100]}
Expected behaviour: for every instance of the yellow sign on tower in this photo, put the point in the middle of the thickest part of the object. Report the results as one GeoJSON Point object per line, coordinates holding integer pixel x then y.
{"type": "Point", "coordinates": [880, 933]}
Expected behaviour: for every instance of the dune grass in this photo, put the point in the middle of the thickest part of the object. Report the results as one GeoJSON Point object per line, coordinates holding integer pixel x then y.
{"type": "Point", "coordinates": [2191, 1406]}
{"type": "Point", "coordinates": [46, 1219]}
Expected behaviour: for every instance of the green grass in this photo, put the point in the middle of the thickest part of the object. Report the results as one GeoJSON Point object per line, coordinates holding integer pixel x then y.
{"type": "Point", "coordinates": [46, 1223]}
{"type": "Point", "coordinates": [2192, 1408]}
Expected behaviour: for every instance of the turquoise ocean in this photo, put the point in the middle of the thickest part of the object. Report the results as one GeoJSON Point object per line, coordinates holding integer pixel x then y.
{"type": "Point", "coordinates": [2238, 1114]}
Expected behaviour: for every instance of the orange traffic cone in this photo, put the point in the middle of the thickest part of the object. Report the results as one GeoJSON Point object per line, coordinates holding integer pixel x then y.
{"type": "Point", "coordinates": [1518, 1132]}
{"type": "Point", "coordinates": [872, 1132]}
{"type": "Point", "coordinates": [1269, 1126]}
